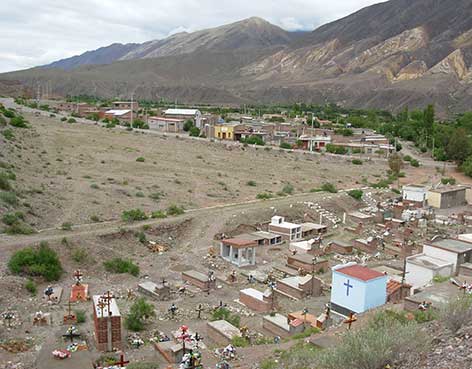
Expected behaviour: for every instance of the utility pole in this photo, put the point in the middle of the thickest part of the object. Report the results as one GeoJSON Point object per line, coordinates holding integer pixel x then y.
{"type": "Point", "coordinates": [132, 98]}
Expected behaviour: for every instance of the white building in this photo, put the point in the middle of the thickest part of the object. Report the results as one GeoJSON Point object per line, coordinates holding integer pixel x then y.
{"type": "Point", "coordinates": [193, 114]}
{"type": "Point", "coordinates": [454, 251]}
{"type": "Point", "coordinates": [416, 194]}
{"type": "Point", "coordinates": [288, 231]}
{"type": "Point", "coordinates": [421, 269]}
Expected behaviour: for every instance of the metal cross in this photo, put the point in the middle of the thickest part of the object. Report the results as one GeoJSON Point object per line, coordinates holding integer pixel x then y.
{"type": "Point", "coordinates": [78, 276]}
{"type": "Point", "coordinates": [199, 310]}
{"type": "Point", "coordinates": [122, 361]}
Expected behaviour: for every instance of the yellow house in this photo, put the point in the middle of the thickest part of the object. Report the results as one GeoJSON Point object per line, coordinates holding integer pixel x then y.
{"type": "Point", "coordinates": [225, 131]}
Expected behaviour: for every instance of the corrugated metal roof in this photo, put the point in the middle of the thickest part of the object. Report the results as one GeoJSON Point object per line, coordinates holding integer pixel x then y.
{"type": "Point", "coordinates": [181, 111]}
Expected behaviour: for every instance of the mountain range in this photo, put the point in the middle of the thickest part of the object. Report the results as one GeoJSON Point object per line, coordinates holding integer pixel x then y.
{"type": "Point", "coordinates": [390, 55]}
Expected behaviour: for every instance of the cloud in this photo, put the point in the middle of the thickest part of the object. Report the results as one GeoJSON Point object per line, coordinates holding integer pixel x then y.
{"type": "Point", "coordinates": [36, 32]}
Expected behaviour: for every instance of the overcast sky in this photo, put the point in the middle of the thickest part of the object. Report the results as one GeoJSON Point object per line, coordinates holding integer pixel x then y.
{"type": "Point", "coordinates": [36, 32]}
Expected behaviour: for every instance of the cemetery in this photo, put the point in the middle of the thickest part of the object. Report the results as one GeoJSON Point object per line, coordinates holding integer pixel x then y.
{"type": "Point", "coordinates": [256, 279]}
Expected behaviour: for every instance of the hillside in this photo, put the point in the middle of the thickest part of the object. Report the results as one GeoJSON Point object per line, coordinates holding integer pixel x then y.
{"type": "Point", "coordinates": [389, 55]}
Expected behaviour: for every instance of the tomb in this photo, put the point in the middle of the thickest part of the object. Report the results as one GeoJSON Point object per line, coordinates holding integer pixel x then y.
{"type": "Point", "coordinates": [356, 289]}
{"type": "Point", "coordinates": [200, 280]}
{"type": "Point", "coordinates": [52, 295]}
{"type": "Point", "coordinates": [79, 290]}
{"type": "Point", "coordinates": [438, 296]}
{"type": "Point", "coordinates": [262, 238]}
{"type": "Point", "coordinates": [360, 218]}
{"type": "Point", "coordinates": [313, 229]}
{"type": "Point", "coordinates": [159, 291]}
{"type": "Point", "coordinates": [107, 323]}
{"type": "Point", "coordinates": [279, 325]}
{"type": "Point", "coordinates": [421, 269]}
{"type": "Point", "coordinates": [239, 252]}
{"type": "Point", "coordinates": [397, 291]}
{"type": "Point", "coordinates": [288, 231]}
{"type": "Point", "coordinates": [308, 263]}
{"type": "Point", "coordinates": [312, 247]}
{"type": "Point", "coordinates": [369, 245]}
{"type": "Point", "coordinates": [340, 247]}
{"type": "Point", "coordinates": [171, 351]}
{"type": "Point", "coordinates": [261, 302]}
{"type": "Point", "coordinates": [308, 319]}
{"type": "Point", "coordinates": [222, 332]}
{"type": "Point", "coordinates": [466, 270]}
{"type": "Point", "coordinates": [299, 287]}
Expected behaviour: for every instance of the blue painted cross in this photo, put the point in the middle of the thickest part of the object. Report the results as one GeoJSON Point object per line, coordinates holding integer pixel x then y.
{"type": "Point", "coordinates": [347, 287]}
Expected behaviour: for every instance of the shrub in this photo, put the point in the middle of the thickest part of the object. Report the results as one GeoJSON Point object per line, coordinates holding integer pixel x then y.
{"type": "Point", "coordinates": [18, 122]}
{"type": "Point", "coordinates": [407, 158]}
{"type": "Point", "coordinates": [457, 313]}
{"type": "Point", "coordinates": [251, 183]}
{"type": "Point", "coordinates": [141, 237]}
{"type": "Point", "coordinates": [71, 120]}
{"type": "Point", "coordinates": [225, 314]}
{"type": "Point", "coordinates": [139, 194]}
{"type": "Point", "coordinates": [329, 187]}
{"type": "Point", "coordinates": [156, 196]}
{"type": "Point", "coordinates": [382, 341]}
{"type": "Point", "coordinates": [120, 266]}
{"type": "Point", "coordinates": [254, 140]}
{"type": "Point", "coordinates": [238, 341]}
{"type": "Point", "coordinates": [31, 287]}
{"type": "Point", "coordinates": [139, 311]}
{"type": "Point", "coordinates": [66, 226]}
{"type": "Point", "coordinates": [285, 145]}
{"type": "Point", "coordinates": [79, 255]}
{"type": "Point", "coordinates": [357, 161]}
{"type": "Point", "coordinates": [133, 215]}
{"type": "Point", "coordinates": [5, 182]}
{"type": "Point", "coordinates": [174, 210]}
{"type": "Point", "coordinates": [140, 159]}
{"type": "Point", "coordinates": [11, 218]}
{"type": "Point", "coordinates": [20, 227]}
{"type": "Point", "coordinates": [446, 181]}
{"type": "Point", "coordinates": [356, 194]}
{"type": "Point", "coordinates": [9, 198]}
{"type": "Point", "coordinates": [81, 316]}
{"type": "Point", "coordinates": [288, 189]}
{"type": "Point", "coordinates": [264, 196]}
{"type": "Point", "coordinates": [95, 218]}
{"type": "Point", "coordinates": [42, 261]}
{"type": "Point", "coordinates": [414, 163]}
{"type": "Point", "coordinates": [63, 119]}
{"type": "Point", "coordinates": [94, 186]}
{"type": "Point", "coordinates": [8, 134]}
{"type": "Point", "coordinates": [333, 149]}
{"type": "Point", "coordinates": [159, 214]}
{"type": "Point", "coordinates": [194, 132]}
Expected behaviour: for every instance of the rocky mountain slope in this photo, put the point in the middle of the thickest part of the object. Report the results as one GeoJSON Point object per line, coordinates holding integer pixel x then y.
{"type": "Point", "coordinates": [389, 55]}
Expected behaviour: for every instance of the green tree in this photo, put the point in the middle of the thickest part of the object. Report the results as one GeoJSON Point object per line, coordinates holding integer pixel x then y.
{"type": "Point", "coordinates": [458, 147]}
{"type": "Point", "coordinates": [428, 119]}
{"type": "Point", "coordinates": [139, 312]}
{"type": "Point", "coordinates": [194, 132]}
{"type": "Point", "coordinates": [188, 125]}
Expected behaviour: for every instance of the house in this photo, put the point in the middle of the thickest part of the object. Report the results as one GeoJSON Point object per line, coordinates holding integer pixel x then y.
{"type": "Point", "coordinates": [122, 115]}
{"type": "Point", "coordinates": [226, 131]}
{"type": "Point", "coordinates": [125, 105]}
{"type": "Point", "coordinates": [299, 287]}
{"type": "Point", "coordinates": [356, 289]}
{"type": "Point", "coordinates": [107, 323]}
{"type": "Point", "coordinates": [314, 143]}
{"type": "Point", "coordinates": [447, 197]}
{"type": "Point", "coordinates": [193, 114]}
{"type": "Point", "coordinates": [239, 252]}
{"type": "Point", "coordinates": [288, 231]}
{"type": "Point", "coordinates": [452, 250]}
{"type": "Point", "coordinates": [313, 229]}
{"type": "Point", "coordinates": [415, 195]}
{"type": "Point", "coordinates": [168, 125]}
{"type": "Point", "coordinates": [421, 269]}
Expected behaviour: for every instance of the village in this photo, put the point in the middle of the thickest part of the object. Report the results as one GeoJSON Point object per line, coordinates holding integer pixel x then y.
{"type": "Point", "coordinates": [227, 285]}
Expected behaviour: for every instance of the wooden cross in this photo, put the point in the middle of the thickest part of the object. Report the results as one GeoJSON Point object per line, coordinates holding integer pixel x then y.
{"type": "Point", "coordinates": [352, 318]}
{"type": "Point", "coordinates": [164, 281]}
{"type": "Point", "coordinates": [78, 276]}
{"type": "Point", "coordinates": [122, 361]}
{"type": "Point", "coordinates": [71, 335]}
{"type": "Point", "coordinates": [304, 313]}
{"type": "Point", "coordinates": [184, 336]}
{"type": "Point", "coordinates": [101, 305]}
{"type": "Point", "coordinates": [108, 296]}
{"type": "Point", "coordinates": [199, 310]}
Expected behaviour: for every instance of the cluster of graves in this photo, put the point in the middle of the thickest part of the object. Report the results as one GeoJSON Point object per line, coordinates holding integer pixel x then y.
{"type": "Point", "coordinates": [390, 252]}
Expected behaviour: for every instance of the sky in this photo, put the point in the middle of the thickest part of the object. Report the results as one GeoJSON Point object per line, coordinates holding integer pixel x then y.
{"type": "Point", "coordinates": [37, 32]}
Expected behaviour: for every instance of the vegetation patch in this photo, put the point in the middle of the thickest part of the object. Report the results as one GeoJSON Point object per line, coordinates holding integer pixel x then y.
{"type": "Point", "coordinates": [120, 266]}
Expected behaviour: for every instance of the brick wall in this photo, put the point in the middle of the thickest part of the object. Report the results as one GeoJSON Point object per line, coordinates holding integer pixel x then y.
{"type": "Point", "coordinates": [296, 264]}
{"type": "Point", "coordinates": [203, 285]}
{"type": "Point", "coordinates": [334, 247]}
{"type": "Point", "coordinates": [274, 329]}
{"type": "Point", "coordinates": [254, 304]}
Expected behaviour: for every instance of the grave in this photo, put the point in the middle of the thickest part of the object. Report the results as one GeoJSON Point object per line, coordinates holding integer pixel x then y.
{"type": "Point", "coordinates": [200, 280]}
{"type": "Point", "coordinates": [159, 291]}
{"type": "Point", "coordinates": [222, 332]}
{"type": "Point", "coordinates": [279, 325]}
{"type": "Point", "coordinates": [238, 251]}
{"type": "Point", "coordinates": [307, 319]}
{"type": "Point", "coordinates": [313, 229]}
{"type": "Point", "coordinates": [79, 290]}
{"type": "Point", "coordinates": [438, 295]}
{"type": "Point", "coordinates": [52, 295]}
{"type": "Point", "coordinates": [466, 270]}
{"type": "Point", "coordinates": [312, 247]}
{"type": "Point", "coordinates": [171, 351]}
{"type": "Point", "coordinates": [299, 287]}
{"type": "Point", "coordinates": [358, 217]}
{"type": "Point", "coordinates": [308, 263]}
{"type": "Point", "coordinates": [368, 245]}
{"type": "Point", "coordinates": [340, 247]}
{"type": "Point", "coordinates": [107, 322]}
{"type": "Point", "coordinates": [261, 302]}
